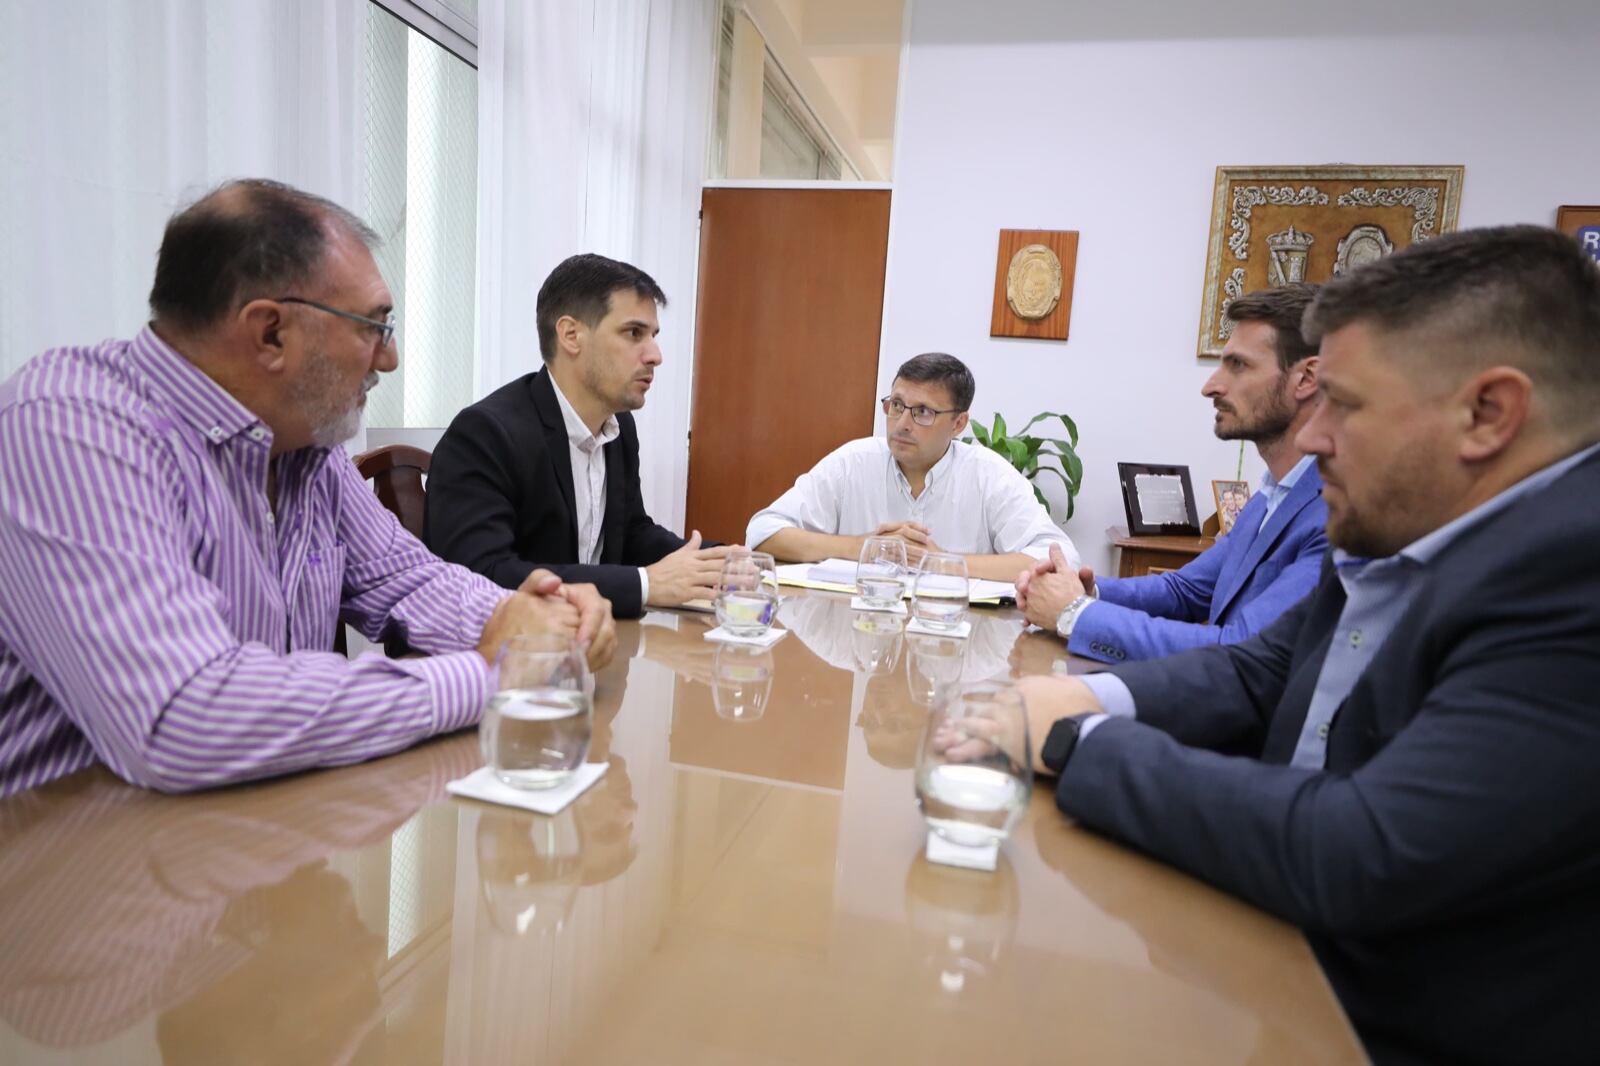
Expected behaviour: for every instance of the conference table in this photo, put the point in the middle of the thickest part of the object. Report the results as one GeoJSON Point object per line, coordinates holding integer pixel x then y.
{"type": "Point", "coordinates": [745, 884]}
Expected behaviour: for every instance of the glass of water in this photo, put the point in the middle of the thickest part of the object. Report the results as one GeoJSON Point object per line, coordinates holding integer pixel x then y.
{"type": "Point", "coordinates": [747, 593]}
{"type": "Point", "coordinates": [939, 593]}
{"type": "Point", "coordinates": [882, 572]}
{"type": "Point", "coordinates": [536, 727]}
{"type": "Point", "coordinates": [973, 773]}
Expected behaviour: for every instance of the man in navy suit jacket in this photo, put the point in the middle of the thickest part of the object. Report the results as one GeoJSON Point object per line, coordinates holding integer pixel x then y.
{"type": "Point", "coordinates": [1413, 745]}
{"type": "Point", "coordinates": [1263, 392]}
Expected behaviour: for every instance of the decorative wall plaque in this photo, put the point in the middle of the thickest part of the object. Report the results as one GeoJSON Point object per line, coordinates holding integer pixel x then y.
{"type": "Point", "coordinates": [1583, 224]}
{"type": "Point", "coordinates": [1033, 284]}
{"type": "Point", "coordinates": [1275, 225]}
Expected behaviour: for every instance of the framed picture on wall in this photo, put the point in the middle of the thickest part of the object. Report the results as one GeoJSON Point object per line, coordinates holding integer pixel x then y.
{"type": "Point", "coordinates": [1275, 225]}
{"type": "Point", "coordinates": [1231, 496]}
{"type": "Point", "coordinates": [1583, 224]}
{"type": "Point", "coordinates": [1158, 500]}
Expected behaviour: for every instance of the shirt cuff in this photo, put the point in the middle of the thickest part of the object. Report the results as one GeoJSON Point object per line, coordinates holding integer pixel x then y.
{"type": "Point", "coordinates": [763, 526]}
{"type": "Point", "coordinates": [1090, 724]}
{"type": "Point", "coordinates": [459, 684]}
{"type": "Point", "coordinates": [644, 588]}
{"type": "Point", "coordinates": [1113, 694]}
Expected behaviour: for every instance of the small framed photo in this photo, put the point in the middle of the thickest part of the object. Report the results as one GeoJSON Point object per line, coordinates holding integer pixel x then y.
{"type": "Point", "coordinates": [1581, 223]}
{"type": "Point", "coordinates": [1158, 500]}
{"type": "Point", "coordinates": [1231, 496]}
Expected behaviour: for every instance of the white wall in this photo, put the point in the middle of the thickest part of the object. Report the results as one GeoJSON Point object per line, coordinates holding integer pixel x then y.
{"type": "Point", "coordinates": [1038, 114]}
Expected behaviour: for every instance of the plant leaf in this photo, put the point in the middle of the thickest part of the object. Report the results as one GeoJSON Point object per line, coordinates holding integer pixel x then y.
{"type": "Point", "coordinates": [999, 425]}
{"type": "Point", "coordinates": [1016, 451]}
{"type": "Point", "coordinates": [981, 433]}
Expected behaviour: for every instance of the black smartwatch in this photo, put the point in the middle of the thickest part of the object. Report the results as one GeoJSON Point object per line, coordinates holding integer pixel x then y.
{"type": "Point", "coordinates": [1060, 742]}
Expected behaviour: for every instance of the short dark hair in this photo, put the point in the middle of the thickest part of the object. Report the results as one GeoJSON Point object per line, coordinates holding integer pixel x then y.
{"type": "Point", "coordinates": [1524, 296]}
{"type": "Point", "coordinates": [243, 240]}
{"type": "Point", "coordinates": [1283, 308]}
{"type": "Point", "coordinates": [581, 286]}
{"type": "Point", "coordinates": [937, 368]}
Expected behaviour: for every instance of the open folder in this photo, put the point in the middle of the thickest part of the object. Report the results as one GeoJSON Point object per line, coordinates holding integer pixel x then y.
{"type": "Point", "coordinates": [839, 575]}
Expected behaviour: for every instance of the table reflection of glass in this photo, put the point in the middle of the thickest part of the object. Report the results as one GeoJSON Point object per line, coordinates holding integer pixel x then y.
{"type": "Point", "coordinates": [965, 921]}
{"type": "Point", "coordinates": [933, 664]}
{"type": "Point", "coordinates": [741, 681]}
{"type": "Point", "coordinates": [529, 868]}
{"type": "Point", "coordinates": [875, 640]}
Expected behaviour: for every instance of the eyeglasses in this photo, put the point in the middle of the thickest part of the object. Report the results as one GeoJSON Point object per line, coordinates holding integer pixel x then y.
{"type": "Point", "coordinates": [385, 327]}
{"type": "Point", "coordinates": [922, 416]}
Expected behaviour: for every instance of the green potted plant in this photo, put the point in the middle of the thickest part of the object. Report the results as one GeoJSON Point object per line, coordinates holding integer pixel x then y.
{"type": "Point", "coordinates": [1035, 456]}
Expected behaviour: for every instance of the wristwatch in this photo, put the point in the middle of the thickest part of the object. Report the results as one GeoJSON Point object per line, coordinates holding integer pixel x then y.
{"type": "Point", "coordinates": [1060, 741]}
{"type": "Point", "coordinates": [1069, 616]}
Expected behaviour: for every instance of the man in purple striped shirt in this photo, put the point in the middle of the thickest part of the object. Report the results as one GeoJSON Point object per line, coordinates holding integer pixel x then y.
{"type": "Point", "coordinates": [180, 533]}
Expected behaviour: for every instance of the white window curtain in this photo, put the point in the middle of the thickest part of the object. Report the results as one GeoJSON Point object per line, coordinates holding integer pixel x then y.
{"type": "Point", "coordinates": [112, 112]}
{"type": "Point", "coordinates": [592, 125]}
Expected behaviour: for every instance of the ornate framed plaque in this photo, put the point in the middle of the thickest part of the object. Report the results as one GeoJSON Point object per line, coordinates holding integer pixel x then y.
{"type": "Point", "coordinates": [1158, 500]}
{"type": "Point", "coordinates": [1033, 283]}
{"type": "Point", "coordinates": [1583, 225]}
{"type": "Point", "coordinates": [1275, 225]}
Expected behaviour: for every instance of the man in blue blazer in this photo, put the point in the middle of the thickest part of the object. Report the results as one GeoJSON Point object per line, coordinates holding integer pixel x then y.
{"type": "Point", "coordinates": [1263, 392]}
{"type": "Point", "coordinates": [1412, 778]}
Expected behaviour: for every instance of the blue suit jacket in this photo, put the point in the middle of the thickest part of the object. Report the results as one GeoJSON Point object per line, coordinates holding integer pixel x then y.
{"type": "Point", "coordinates": [1229, 592]}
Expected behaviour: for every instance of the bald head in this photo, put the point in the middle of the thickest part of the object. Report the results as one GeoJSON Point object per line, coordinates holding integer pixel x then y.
{"type": "Point", "coordinates": [244, 240]}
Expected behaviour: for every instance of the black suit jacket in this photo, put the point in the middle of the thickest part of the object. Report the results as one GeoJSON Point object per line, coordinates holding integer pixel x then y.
{"type": "Point", "coordinates": [1446, 865]}
{"type": "Point", "coordinates": [500, 497]}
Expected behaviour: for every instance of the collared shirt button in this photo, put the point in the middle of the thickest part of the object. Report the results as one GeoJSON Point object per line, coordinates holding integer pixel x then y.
{"type": "Point", "coordinates": [271, 518]}
{"type": "Point", "coordinates": [215, 433]}
{"type": "Point", "coordinates": [1322, 731]}
{"type": "Point", "coordinates": [256, 433]}
{"type": "Point", "coordinates": [1355, 638]}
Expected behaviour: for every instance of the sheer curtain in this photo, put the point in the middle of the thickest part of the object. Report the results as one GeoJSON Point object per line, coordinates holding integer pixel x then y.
{"type": "Point", "coordinates": [112, 112]}
{"type": "Point", "coordinates": [592, 124]}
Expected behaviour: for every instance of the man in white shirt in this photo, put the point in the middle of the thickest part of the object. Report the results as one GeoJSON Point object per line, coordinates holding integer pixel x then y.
{"type": "Point", "coordinates": [544, 472]}
{"type": "Point", "coordinates": [918, 483]}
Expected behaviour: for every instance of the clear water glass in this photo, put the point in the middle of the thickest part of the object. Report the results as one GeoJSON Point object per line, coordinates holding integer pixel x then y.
{"type": "Point", "coordinates": [536, 727]}
{"type": "Point", "coordinates": [939, 595]}
{"type": "Point", "coordinates": [973, 774]}
{"type": "Point", "coordinates": [882, 572]}
{"type": "Point", "coordinates": [741, 681]}
{"type": "Point", "coordinates": [747, 593]}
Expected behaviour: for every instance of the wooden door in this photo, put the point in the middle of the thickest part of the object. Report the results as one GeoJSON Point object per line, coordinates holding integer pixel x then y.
{"type": "Point", "coordinates": [786, 342]}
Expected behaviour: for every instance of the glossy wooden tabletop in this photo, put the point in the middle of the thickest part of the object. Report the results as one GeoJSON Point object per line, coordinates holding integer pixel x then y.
{"type": "Point", "coordinates": [745, 885]}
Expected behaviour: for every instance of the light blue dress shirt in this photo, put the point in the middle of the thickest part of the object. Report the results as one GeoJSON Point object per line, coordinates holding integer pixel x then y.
{"type": "Point", "coordinates": [1278, 491]}
{"type": "Point", "coordinates": [1377, 593]}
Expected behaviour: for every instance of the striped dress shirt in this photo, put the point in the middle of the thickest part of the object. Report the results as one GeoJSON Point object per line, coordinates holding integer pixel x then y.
{"type": "Point", "coordinates": [158, 616]}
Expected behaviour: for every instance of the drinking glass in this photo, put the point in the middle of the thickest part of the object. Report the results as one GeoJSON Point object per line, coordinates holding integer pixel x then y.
{"type": "Point", "coordinates": [933, 664]}
{"type": "Point", "coordinates": [536, 727]}
{"type": "Point", "coordinates": [882, 572]}
{"type": "Point", "coordinates": [875, 640]}
{"type": "Point", "coordinates": [741, 681]}
{"type": "Point", "coordinates": [939, 593]}
{"type": "Point", "coordinates": [747, 593]}
{"type": "Point", "coordinates": [973, 774]}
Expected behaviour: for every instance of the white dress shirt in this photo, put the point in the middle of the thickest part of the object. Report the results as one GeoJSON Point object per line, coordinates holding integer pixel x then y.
{"type": "Point", "coordinates": [973, 502]}
{"type": "Point", "coordinates": [587, 453]}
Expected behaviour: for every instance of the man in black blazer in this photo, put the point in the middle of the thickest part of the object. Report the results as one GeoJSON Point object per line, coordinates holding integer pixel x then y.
{"type": "Point", "coordinates": [544, 472]}
{"type": "Point", "coordinates": [1407, 763]}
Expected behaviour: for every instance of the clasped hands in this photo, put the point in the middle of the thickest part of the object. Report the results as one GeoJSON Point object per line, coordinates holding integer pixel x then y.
{"type": "Point", "coordinates": [918, 538]}
{"type": "Point", "coordinates": [1044, 591]}
{"type": "Point", "coordinates": [545, 604]}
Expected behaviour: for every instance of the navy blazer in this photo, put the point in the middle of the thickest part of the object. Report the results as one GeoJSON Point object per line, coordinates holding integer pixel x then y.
{"type": "Point", "coordinates": [500, 497]}
{"type": "Point", "coordinates": [1228, 592]}
{"type": "Point", "coordinates": [1445, 864]}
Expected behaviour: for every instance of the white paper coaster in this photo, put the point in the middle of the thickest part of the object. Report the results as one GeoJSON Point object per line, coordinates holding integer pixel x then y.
{"type": "Point", "coordinates": [481, 784]}
{"type": "Point", "coordinates": [960, 632]}
{"type": "Point", "coordinates": [766, 640]}
{"type": "Point", "coordinates": [859, 604]}
{"type": "Point", "coordinates": [982, 857]}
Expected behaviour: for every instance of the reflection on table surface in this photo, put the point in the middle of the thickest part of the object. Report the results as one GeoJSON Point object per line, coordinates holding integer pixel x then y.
{"type": "Point", "coordinates": [745, 885]}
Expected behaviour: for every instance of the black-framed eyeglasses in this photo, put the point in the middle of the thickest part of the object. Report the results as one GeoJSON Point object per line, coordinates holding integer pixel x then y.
{"type": "Point", "coordinates": [922, 416]}
{"type": "Point", "coordinates": [385, 326]}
